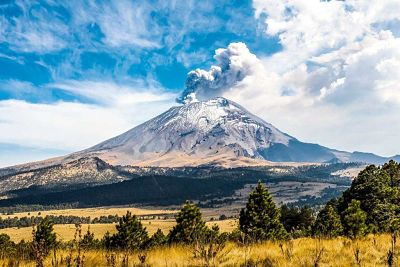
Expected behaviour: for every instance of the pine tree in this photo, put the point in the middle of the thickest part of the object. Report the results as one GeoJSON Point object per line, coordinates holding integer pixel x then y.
{"type": "Point", "coordinates": [6, 245]}
{"type": "Point", "coordinates": [354, 220]}
{"type": "Point", "coordinates": [106, 241]}
{"type": "Point", "coordinates": [297, 221]}
{"type": "Point", "coordinates": [378, 198]}
{"type": "Point", "coordinates": [260, 220]}
{"type": "Point", "coordinates": [44, 236]}
{"type": "Point", "coordinates": [88, 240]}
{"type": "Point", "coordinates": [393, 170]}
{"type": "Point", "coordinates": [327, 223]}
{"type": "Point", "coordinates": [157, 239]}
{"type": "Point", "coordinates": [130, 234]}
{"type": "Point", "coordinates": [189, 225]}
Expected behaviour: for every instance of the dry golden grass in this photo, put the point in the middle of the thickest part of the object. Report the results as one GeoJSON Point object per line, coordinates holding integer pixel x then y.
{"type": "Point", "coordinates": [66, 232]}
{"type": "Point", "coordinates": [92, 212]}
{"type": "Point", "coordinates": [225, 225]}
{"type": "Point", "coordinates": [299, 252]}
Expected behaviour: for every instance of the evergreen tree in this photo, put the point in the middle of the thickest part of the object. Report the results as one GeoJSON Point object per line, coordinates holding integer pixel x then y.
{"type": "Point", "coordinates": [6, 245]}
{"type": "Point", "coordinates": [44, 236]}
{"type": "Point", "coordinates": [354, 220]}
{"type": "Point", "coordinates": [5, 240]}
{"type": "Point", "coordinates": [189, 224]}
{"type": "Point", "coordinates": [157, 239]}
{"type": "Point", "coordinates": [378, 198]}
{"type": "Point", "coordinates": [371, 204]}
{"type": "Point", "coordinates": [297, 220]}
{"type": "Point", "coordinates": [130, 234]}
{"type": "Point", "coordinates": [327, 223]}
{"type": "Point", "coordinates": [393, 170]}
{"type": "Point", "coordinates": [88, 240]}
{"type": "Point", "coordinates": [106, 241]}
{"type": "Point", "coordinates": [260, 220]}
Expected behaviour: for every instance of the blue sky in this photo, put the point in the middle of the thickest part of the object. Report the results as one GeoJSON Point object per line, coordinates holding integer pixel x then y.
{"type": "Point", "coordinates": [74, 73]}
{"type": "Point", "coordinates": [46, 42]}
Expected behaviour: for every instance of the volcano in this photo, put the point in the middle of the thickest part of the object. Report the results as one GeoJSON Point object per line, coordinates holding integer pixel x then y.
{"type": "Point", "coordinates": [217, 133]}
{"type": "Point", "coordinates": [213, 132]}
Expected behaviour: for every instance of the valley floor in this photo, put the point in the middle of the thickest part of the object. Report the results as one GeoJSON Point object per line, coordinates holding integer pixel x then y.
{"type": "Point", "coordinates": [369, 251]}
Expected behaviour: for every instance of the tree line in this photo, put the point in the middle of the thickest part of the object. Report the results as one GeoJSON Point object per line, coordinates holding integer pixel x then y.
{"type": "Point", "coordinates": [70, 219]}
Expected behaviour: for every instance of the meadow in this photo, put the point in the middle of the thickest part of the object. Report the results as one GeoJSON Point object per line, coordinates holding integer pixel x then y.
{"type": "Point", "coordinates": [93, 212]}
{"type": "Point", "coordinates": [65, 232]}
{"type": "Point", "coordinates": [371, 250]}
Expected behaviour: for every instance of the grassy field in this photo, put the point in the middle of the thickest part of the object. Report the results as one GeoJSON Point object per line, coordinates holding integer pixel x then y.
{"type": "Point", "coordinates": [93, 212]}
{"type": "Point", "coordinates": [66, 232]}
{"type": "Point", "coordinates": [369, 251]}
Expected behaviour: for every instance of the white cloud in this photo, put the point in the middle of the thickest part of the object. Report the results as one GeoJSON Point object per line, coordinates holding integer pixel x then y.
{"type": "Point", "coordinates": [340, 64]}
{"type": "Point", "coordinates": [112, 94]}
{"type": "Point", "coordinates": [42, 29]}
{"type": "Point", "coordinates": [123, 23]}
{"type": "Point", "coordinates": [335, 81]}
{"type": "Point", "coordinates": [71, 126]}
{"type": "Point", "coordinates": [36, 30]}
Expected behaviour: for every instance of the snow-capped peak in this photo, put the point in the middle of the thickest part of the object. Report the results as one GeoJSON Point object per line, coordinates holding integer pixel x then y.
{"type": "Point", "coordinates": [196, 129]}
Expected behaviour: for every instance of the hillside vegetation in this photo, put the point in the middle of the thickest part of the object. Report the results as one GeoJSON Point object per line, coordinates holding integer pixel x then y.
{"type": "Point", "coordinates": [162, 186]}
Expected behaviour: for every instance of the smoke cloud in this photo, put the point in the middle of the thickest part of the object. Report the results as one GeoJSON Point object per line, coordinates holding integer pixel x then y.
{"type": "Point", "coordinates": [233, 64]}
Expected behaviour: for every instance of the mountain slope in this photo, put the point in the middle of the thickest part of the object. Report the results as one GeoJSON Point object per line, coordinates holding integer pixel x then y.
{"type": "Point", "coordinates": [213, 131]}
{"type": "Point", "coordinates": [78, 173]}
